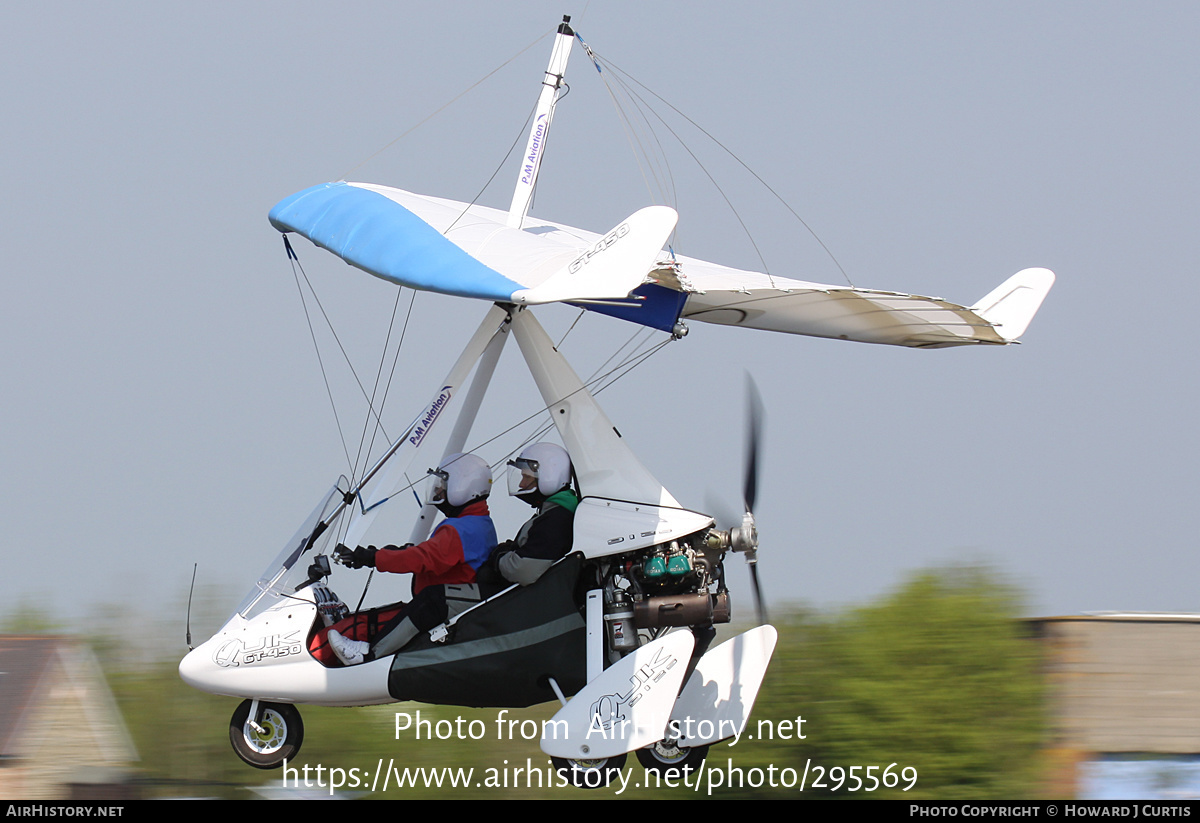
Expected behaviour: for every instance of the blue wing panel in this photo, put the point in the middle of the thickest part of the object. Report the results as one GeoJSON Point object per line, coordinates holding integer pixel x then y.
{"type": "Point", "coordinates": [381, 237]}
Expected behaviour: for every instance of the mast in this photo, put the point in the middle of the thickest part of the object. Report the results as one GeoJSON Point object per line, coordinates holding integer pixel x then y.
{"type": "Point", "coordinates": [531, 161]}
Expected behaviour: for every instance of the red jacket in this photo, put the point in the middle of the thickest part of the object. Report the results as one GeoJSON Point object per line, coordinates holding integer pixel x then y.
{"type": "Point", "coordinates": [441, 559]}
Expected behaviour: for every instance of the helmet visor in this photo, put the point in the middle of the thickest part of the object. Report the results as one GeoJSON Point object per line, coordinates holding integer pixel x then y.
{"type": "Point", "coordinates": [438, 478]}
{"type": "Point", "coordinates": [522, 476]}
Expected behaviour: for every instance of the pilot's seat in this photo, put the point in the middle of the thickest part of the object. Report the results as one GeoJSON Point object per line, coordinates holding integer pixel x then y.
{"type": "Point", "coordinates": [504, 651]}
{"type": "Point", "coordinates": [500, 652]}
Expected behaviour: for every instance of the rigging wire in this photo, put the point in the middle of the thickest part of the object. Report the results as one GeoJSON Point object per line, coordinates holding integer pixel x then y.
{"type": "Point", "coordinates": [634, 143]}
{"type": "Point", "coordinates": [297, 265]}
{"type": "Point", "coordinates": [547, 426]}
{"type": "Point", "coordinates": [363, 596]}
{"type": "Point", "coordinates": [727, 150]}
{"type": "Point", "coordinates": [737, 215]}
{"type": "Point", "coordinates": [630, 363]}
{"type": "Point", "coordinates": [631, 133]}
{"type": "Point", "coordinates": [358, 457]}
{"type": "Point", "coordinates": [391, 325]}
{"type": "Point", "coordinates": [632, 337]}
{"type": "Point", "coordinates": [592, 379]}
{"type": "Point", "coordinates": [578, 317]}
{"type": "Point", "coordinates": [371, 410]}
{"type": "Point", "coordinates": [445, 106]}
{"type": "Point", "coordinates": [312, 332]}
{"type": "Point", "coordinates": [601, 386]}
{"type": "Point", "coordinates": [520, 134]}
{"type": "Point", "coordinates": [412, 297]}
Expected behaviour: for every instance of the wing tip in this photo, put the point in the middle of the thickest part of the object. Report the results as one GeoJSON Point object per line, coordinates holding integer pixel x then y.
{"type": "Point", "coordinates": [1011, 306]}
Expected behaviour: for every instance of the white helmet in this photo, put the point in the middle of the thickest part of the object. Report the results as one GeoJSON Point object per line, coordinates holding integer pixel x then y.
{"type": "Point", "coordinates": [543, 468]}
{"type": "Point", "coordinates": [460, 479]}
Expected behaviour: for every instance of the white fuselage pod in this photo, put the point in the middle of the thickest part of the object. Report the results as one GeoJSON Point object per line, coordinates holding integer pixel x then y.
{"type": "Point", "coordinates": [267, 657]}
{"type": "Point", "coordinates": [604, 527]}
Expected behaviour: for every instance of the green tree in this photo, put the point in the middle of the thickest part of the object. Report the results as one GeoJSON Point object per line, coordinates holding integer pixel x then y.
{"type": "Point", "coordinates": [939, 677]}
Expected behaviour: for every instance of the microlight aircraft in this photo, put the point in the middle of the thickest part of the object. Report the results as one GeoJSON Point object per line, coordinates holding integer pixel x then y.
{"type": "Point", "coordinates": [620, 631]}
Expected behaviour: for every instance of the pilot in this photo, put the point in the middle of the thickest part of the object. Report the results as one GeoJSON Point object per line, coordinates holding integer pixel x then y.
{"type": "Point", "coordinates": [443, 567]}
{"type": "Point", "coordinates": [541, 476]}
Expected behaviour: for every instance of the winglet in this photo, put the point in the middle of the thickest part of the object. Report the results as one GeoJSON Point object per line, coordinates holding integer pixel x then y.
{"type": "Point", "coordinates": [614, 266]}
{"type": "Point", "coordinates": [1010, 306]}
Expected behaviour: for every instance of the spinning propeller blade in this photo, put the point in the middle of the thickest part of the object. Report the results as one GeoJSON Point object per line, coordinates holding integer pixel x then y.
{"type": "Point", "coordinates": [754, 419]}
{"type": "Point", "coordinates": [758, 598]}
{"type": "Point", "coordinates": [747, 534]}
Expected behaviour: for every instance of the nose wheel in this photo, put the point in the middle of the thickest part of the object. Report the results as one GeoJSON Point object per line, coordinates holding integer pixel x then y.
{"type": "Point", "coordinates": [589, 774]}
{"type": "Point", "coordinates": [267, 741]}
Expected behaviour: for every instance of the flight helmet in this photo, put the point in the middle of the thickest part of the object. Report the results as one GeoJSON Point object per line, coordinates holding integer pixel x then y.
{"type": "Point", "coordinates": [541, 469]}
{"type": "Point", "coordinates": [459, 480]}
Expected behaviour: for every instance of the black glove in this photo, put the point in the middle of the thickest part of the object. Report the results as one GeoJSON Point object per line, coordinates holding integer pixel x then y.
{"type": "Point", "coordinates": [498, 552]}
{"type": "Point", "coordinates": [355, 558]}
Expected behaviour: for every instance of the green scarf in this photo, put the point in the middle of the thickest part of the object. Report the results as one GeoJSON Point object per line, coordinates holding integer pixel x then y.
{"type": "Point", "coordinates": [565, 498]}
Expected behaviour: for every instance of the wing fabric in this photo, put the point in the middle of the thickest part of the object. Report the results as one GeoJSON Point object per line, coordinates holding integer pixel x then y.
{"type": "Point", "coordinates": [468, 250]}
{"type": "Point", "coordinates": [754, 300]}
{"type": "Point", "coordinates": [454, 248]}
{"type": "Point", "coordinates": [374, 234]}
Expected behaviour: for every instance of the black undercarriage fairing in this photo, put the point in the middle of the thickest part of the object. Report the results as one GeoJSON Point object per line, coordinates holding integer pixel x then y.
{"type": "Point", "coordinates": [502, 653]}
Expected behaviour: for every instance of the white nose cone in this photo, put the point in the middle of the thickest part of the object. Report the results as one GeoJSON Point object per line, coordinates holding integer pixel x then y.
{"type": "Point", "coordinates": [189, 669]}
{"type": "Point", "coordinates": [198, 670]}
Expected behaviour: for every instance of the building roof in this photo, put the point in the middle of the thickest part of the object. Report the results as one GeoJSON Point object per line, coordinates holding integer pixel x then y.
{"type": "Point", "coordinates": [1152, 617]}
{"type": "Point", "coordinates": [24, 661]}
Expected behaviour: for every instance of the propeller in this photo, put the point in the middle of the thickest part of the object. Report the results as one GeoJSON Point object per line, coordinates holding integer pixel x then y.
{"type": "Point", "coordinates": [743, 535]}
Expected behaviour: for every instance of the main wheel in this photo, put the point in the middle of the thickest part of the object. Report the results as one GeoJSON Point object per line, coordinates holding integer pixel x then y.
{"type": "Point", "coordinates": [280, 738]}
{"type": "Point", "coordinates": [590, 774]}
{"type": "Point", "coordinates": [665, 756]}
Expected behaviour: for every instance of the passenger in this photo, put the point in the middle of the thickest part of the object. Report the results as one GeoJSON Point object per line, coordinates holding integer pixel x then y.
{"type": "Point", "coordinates": [541, 476]}
{"type": "Point", "coordinates": [443, 567]}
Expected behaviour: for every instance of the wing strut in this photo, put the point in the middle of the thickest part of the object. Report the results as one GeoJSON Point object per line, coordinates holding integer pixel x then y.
{"type": "Point", "coordinates": [404, 449]}
{"type": "Point", "coordinates": [464, 421]}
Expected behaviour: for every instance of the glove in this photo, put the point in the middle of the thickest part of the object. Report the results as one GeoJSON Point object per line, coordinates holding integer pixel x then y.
{"type": "Point", "coordinates": [498, 552]}
{"type": "Point", "coordinates": [355, 558]}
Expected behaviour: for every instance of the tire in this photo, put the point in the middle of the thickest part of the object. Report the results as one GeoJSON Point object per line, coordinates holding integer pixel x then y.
{"type": "Point", "coordinates": [283, 734]}
{"type": "Point", "coordinates": [590, 774]}
{"type": "Point", "coordinates": [664, 757]}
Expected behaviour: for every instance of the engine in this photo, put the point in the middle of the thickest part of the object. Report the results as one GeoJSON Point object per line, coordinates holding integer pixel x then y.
{"type": "Point", "coordinates": [680, 583]}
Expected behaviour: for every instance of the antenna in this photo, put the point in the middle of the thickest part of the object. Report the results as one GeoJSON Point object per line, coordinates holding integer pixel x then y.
{"type": "Point", "coordinates": [191, 589]}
